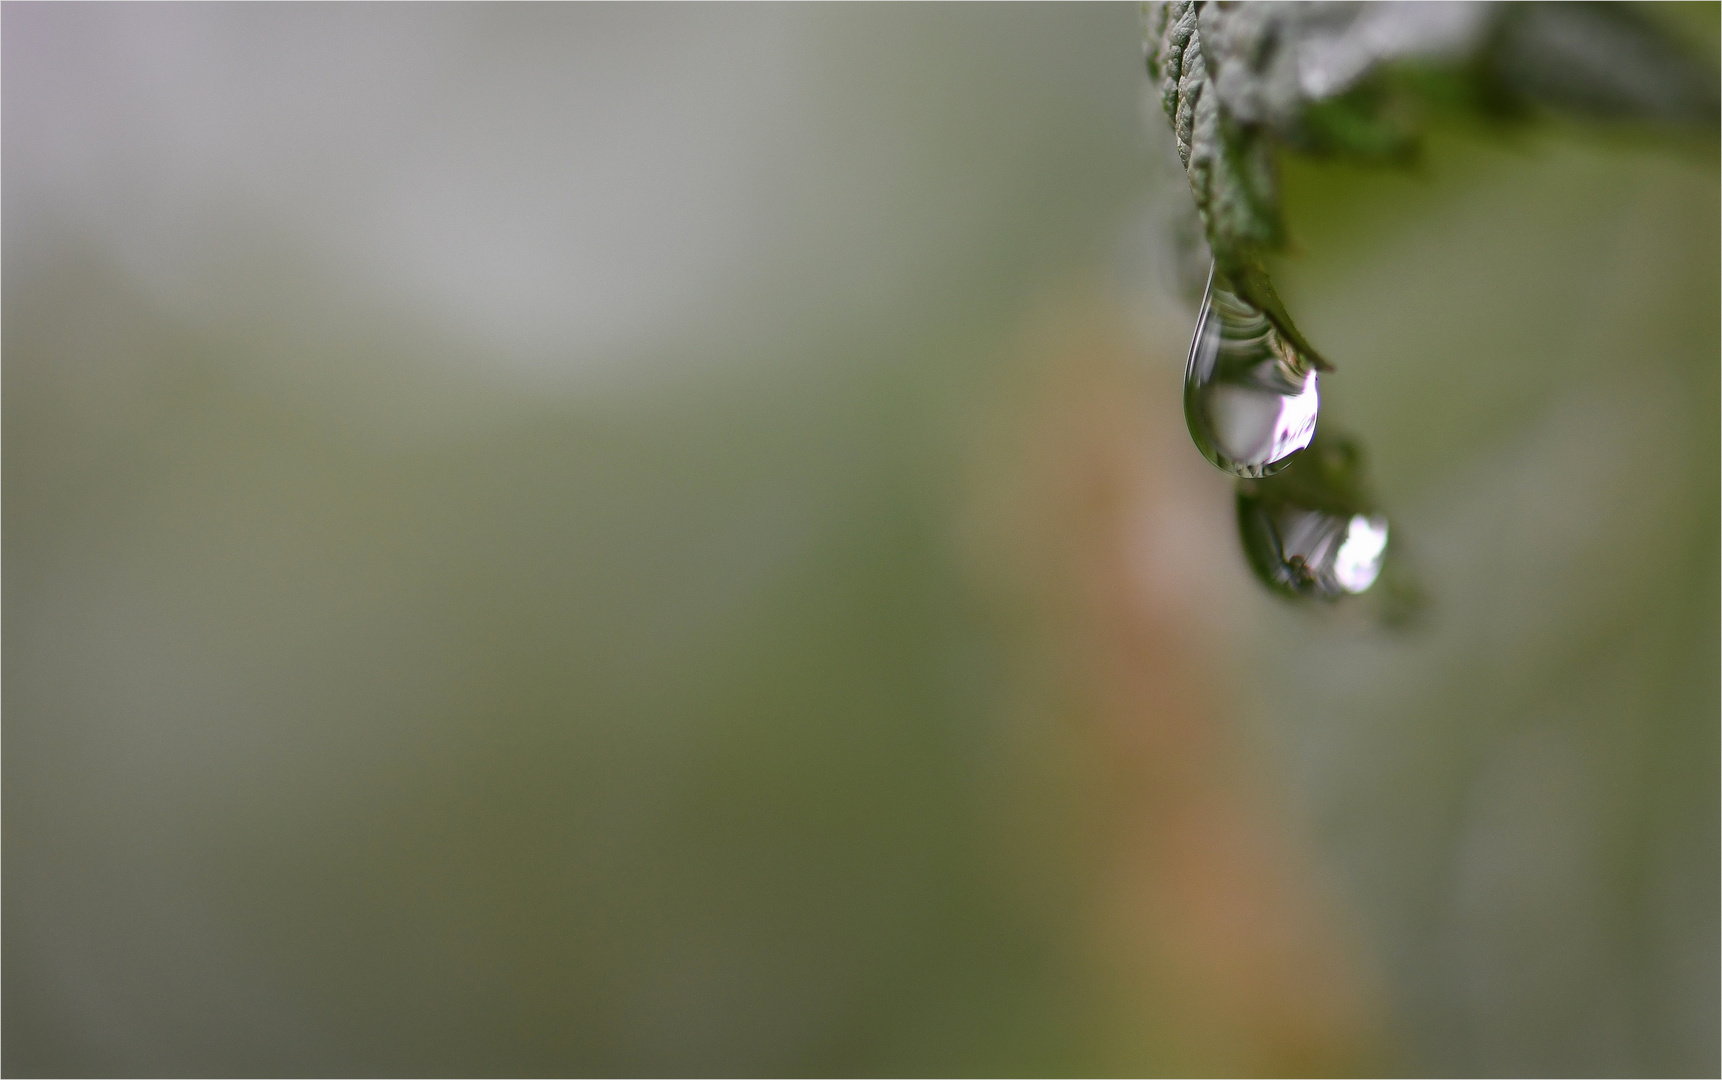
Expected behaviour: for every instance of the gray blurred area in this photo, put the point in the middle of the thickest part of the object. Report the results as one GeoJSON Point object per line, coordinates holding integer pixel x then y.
{"type": "Point", "coordinates": [660, 540]}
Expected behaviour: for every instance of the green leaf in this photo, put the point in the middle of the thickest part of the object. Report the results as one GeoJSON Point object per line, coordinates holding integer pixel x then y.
{"type": "Point", "coordinates": [1240, 82]}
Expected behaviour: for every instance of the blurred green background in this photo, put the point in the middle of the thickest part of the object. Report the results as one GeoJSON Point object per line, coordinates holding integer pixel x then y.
{"type": "Point", "coordinates": [661, 540]}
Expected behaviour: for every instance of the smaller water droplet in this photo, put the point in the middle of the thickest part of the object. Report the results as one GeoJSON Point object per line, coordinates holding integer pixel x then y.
{"type": "Point", "coordinates": [1310, 531]}
{"type": "Point", "coordinates": [1250, 397]}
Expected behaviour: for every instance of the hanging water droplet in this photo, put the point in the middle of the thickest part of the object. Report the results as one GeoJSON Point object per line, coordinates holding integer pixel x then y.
{"type": "Point", "coordinates": [1311, 553]}
{"type": "Point", "coordinates": [1310, 531]}
{"type": "Point", "coordinates": [1250, 397]}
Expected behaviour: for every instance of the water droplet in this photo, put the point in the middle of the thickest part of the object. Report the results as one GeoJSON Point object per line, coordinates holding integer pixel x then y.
{"type": "Point", "coordinates": [1310, 531]}
{"type": "Point", "coordinates": [1250, 397]}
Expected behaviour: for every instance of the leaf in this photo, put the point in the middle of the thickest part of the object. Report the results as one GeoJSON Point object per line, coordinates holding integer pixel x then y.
{"type": "Point", "coordinates": [1242, 81]}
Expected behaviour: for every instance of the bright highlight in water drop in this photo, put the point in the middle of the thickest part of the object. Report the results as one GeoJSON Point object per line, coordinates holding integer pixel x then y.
{"type": "Point", "coordinates": [1358, 561]}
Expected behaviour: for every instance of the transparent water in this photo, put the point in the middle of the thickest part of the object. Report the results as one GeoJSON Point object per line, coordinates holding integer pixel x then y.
{"type": "Point", "coordinates": [1250, 397]}
{"type": "Point", "coordinates": [1310, 532]}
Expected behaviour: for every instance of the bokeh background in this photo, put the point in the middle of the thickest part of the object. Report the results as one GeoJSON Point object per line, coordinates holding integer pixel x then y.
{"type": "Point", "coordinates": [661, 540]}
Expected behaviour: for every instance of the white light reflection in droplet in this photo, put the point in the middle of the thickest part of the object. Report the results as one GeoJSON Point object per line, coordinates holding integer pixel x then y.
{"type": "Point", "coordinates": [1358, 562]}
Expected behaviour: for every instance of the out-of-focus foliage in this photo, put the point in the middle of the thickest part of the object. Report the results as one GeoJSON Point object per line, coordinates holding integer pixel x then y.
{"type": "Point", "coordinates": [549, 540]}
